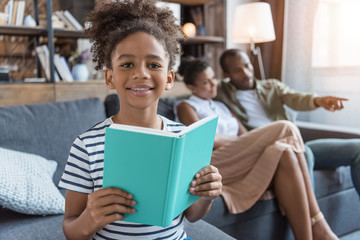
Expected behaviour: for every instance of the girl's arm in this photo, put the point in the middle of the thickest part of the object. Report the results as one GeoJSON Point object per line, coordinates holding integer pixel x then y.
{"type": "Point", "coordinates": [207, 183]}
{"type": "Point", "coordinates": [85, 214]}
{"type": "Point", "coordinates": [187, 115]}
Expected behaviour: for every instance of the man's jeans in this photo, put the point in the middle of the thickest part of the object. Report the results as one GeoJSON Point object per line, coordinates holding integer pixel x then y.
{"type": "Point", "coordinates": [333, 153]}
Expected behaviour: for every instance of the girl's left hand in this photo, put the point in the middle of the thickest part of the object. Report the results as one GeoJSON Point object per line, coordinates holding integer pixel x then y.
{"type": "Point", "coordinates": [207, 183]}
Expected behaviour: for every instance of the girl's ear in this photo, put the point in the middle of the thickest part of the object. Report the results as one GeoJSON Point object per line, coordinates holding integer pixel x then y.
{"type": "Point", "coordinates": [109, 79]}
{"type": "Point", "coordinates": [170, 80]}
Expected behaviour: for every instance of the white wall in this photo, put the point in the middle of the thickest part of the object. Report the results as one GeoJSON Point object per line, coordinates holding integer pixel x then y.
{"type": "Point", "coordinates": [230, 11]}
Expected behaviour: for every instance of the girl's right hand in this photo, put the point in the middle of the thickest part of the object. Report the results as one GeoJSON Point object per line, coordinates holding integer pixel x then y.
{"type": "Point", "coordinates": [107, 205]}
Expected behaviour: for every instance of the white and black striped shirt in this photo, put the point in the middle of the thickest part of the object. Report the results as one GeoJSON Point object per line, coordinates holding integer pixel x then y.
{"type": "Point", "coordinates": [84, 173]}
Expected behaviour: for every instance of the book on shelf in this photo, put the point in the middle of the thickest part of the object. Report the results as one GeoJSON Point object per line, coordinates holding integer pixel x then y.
{"type": "Point", "coordinates": [14, 11]}
{"type": "Point", "coordinates": [20, 13]}
{"type": "Point", "coordinates": [61, 16]}
{"type": "Point", "coordinates": [73, 20]}
{"type": "Point", "coordinates": [68, 19]}
{"type": "Point", "coordinates": [43, 54]}
{"type": "Point", "coordinates": [63, 68]}
{"type": "Point", "coordinates": [9, 10]}
{"type": "Point", "coordinates": [157, 167]}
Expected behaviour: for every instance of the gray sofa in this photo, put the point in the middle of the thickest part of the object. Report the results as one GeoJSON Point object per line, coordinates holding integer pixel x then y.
{"type": "Point", "coordinates": [49, 130]}
{"type": "Point", "coordinates": [334, 190]}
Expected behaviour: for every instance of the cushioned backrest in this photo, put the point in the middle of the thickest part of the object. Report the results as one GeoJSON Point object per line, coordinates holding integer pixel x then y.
{"type": "Point", "coordinates": [48, 129]}
{"type": "Point", "coordinates": [165, 106]}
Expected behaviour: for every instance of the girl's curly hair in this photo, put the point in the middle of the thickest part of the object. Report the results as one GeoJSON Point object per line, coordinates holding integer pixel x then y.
{"type": "Point", "coordinates": [114, 21]}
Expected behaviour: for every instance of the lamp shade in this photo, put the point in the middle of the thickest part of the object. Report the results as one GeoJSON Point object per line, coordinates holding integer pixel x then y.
{"type": "Point", "coordinates": [253, 23]}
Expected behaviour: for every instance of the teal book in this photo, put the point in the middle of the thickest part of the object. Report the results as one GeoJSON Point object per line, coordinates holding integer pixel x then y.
{"type": "Point", "coordinates": [157, 167]}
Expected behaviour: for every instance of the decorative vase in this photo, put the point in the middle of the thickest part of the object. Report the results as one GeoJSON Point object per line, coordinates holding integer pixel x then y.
{"type": "Point", "coordinates": [80, 72]}
{"type": "Point", "coordinates": [200, 30]}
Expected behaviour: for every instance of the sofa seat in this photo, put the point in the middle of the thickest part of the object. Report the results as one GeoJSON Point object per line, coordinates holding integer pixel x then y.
{"type": "Point", "coordinates": [49, 130]}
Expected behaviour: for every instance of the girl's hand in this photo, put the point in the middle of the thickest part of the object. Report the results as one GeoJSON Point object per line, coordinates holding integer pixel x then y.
{"type": "Point", "coordinates": [107, 205]}
{"type": "Point", "coordinates": [207, 183]}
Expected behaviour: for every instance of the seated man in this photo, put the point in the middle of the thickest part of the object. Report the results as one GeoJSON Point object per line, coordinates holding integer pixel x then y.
{"type": "Point", "coordinates": [259, 102]}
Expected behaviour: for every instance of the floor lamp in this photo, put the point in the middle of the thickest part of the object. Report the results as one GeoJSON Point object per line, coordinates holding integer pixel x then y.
{"type": "Point", "coordinates": [252, 24]}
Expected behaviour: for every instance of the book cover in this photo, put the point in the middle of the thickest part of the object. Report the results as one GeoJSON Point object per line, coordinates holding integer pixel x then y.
{"type": "Point", "coordinates": [43, 54]}
{"type": "Point", "coordinates": [61, 16]}
{"type": "Point", "coordinates": [20, 13]}
{"type": "Point", "coordinates": [14, 12]}
{"type": "Point", "coordinates": [9, 11]}
{"type": "Point", "coordinates": [72, 20]}
{"type": "Point", "coordinates": [157, 167]}
{"type": "Point", "coordinates": [62, 68]}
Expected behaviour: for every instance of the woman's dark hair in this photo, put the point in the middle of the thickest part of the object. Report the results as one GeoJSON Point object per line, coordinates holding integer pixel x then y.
{"type": "Point", "coordinates": [191, 67]}
{"type": "Point", "coordinates": [112, 22]}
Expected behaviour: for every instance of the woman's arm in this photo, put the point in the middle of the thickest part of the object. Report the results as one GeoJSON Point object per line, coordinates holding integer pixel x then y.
{"type": "Point", "coordinates": [187, 115]}
{"type": "Point", "coordinates": [85, 214]}
{"type": "Point", "coordinates": [242, 128]}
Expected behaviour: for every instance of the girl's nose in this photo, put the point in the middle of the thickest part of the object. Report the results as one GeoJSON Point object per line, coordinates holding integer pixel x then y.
{"type": "Point", "coordinates": [141, 72]}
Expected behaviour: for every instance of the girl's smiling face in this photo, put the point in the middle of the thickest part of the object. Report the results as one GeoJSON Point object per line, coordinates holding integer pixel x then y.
{"type": "Point", "coordinates": [139, 71]}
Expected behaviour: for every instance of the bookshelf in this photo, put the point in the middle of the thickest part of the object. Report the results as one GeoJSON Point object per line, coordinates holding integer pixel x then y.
{"type": "Point", "coordinates": [27, 93]}
{"type": "Point", "coordinates": [211, 45]}
{"type": "Point", "coordinates": [37, 32]}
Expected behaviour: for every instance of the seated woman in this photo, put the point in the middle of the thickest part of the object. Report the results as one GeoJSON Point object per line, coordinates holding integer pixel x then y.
{"type": "Point", "coordinates": [252, 162]}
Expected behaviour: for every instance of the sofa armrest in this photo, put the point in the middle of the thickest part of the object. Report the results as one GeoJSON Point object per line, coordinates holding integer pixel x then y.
{"type": "Point", "coordinates": [311, 131]}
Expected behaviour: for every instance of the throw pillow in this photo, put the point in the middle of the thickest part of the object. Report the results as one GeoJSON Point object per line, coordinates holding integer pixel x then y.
{"type": "Point", "coordinates": [26, 184]}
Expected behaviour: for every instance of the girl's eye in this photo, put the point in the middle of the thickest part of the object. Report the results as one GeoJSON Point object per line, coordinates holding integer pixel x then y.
{"type": "Point", "coordinates": [127, 65]}
{"type": "Point", "coordinates": [154, 65]}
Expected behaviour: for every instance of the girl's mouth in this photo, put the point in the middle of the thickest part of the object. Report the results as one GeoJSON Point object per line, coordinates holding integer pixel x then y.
{"type": "Point", "coordinates": [140, 91]}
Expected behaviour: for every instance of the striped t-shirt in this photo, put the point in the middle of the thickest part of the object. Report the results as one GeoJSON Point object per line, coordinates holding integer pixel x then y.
{"type": "Point", "coordinates": [84, 173]}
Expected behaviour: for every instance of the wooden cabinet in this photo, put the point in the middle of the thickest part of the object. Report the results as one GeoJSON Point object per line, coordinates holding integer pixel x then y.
{"type": "Point", "coordinates": [32, 93]}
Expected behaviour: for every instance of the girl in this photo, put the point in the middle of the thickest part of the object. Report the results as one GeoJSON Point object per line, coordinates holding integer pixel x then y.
{"type": "Point", "coordinates": [136, 42]}
{"type": "Point", "coordinates": [251, 161]}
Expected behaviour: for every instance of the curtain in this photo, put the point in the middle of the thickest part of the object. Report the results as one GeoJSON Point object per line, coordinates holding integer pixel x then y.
{"type": "Point", "coordinates": [315, 62]}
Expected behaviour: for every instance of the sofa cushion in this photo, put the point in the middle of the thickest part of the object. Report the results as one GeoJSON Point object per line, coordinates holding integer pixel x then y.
{"type": "Point", "coordinates": [15, 225]}
{"type": "Point", "coordinates": [330, 181]}
{"type": "Point", "coordinates": [26, 184]}
{"type": "Point", "coordinates": [165, 106]}
{"type": "Point", "coordinates": [48, 129]}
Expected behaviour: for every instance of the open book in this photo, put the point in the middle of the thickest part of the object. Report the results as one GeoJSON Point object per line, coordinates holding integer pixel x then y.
{"type": "Point", "coordinates": [157, 167]}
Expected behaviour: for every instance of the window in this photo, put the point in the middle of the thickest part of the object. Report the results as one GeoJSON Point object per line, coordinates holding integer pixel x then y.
{"type": "Point", "coordinates": [336, 35]}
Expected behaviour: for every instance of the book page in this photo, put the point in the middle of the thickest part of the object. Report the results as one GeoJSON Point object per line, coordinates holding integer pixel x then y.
{"type": "Point", "coordinates": [196, 124]}
{"type": "Point", "coordinates": [144, 130]}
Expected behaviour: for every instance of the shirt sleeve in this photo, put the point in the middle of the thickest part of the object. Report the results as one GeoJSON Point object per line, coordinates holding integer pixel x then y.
{"type": "Point", "coordinates": [296, 100]}
{"type": "Point", "coordinates": [76, 176]}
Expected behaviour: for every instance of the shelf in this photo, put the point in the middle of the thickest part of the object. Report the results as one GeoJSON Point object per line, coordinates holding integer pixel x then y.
{"type": "Point", "coordinates": [189, 2]}
{"type": "Point", "coordinates": [202, 39]}
{"type": "Point", "coordinates": [66, 33]}
{"type": "Point", "coordinates": [34, 31]}
{"type": "Point", "coordinates": [22, 30]}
